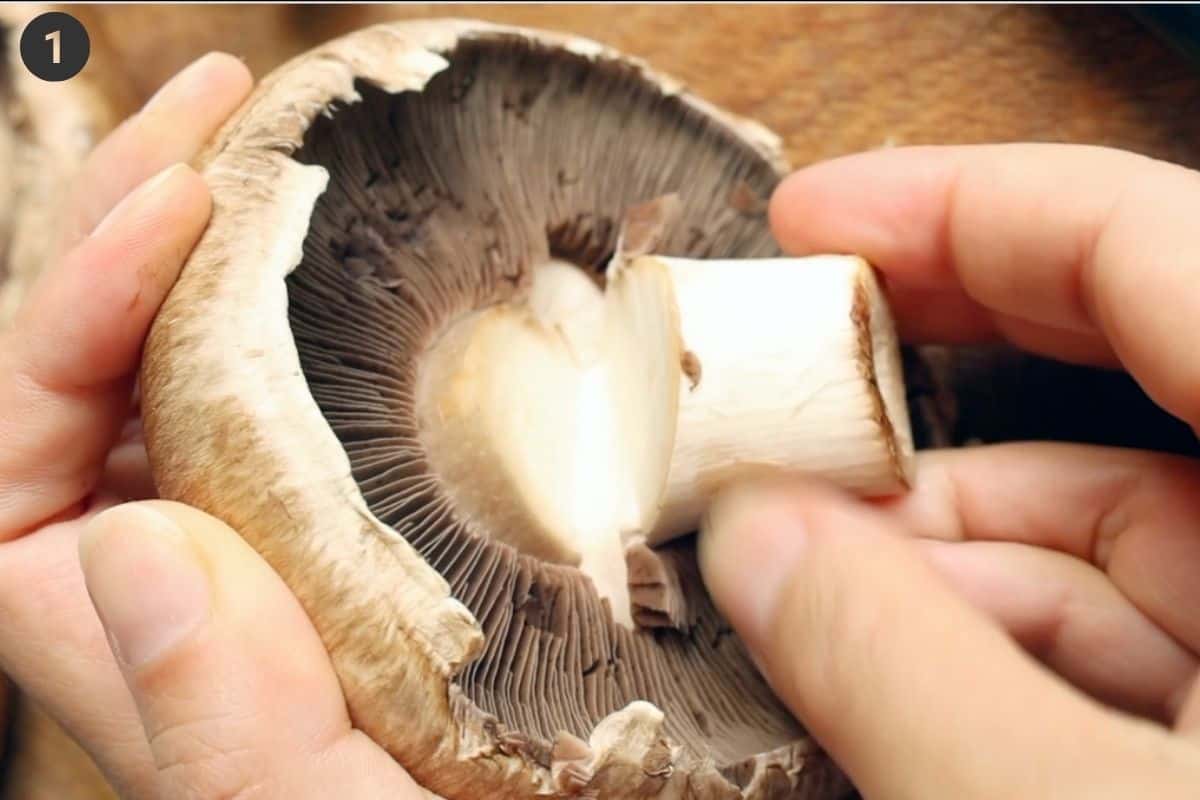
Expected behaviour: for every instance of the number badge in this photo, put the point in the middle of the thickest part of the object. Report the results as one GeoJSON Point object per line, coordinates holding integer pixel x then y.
{"type": "Point", "coordinates": [55, 46]}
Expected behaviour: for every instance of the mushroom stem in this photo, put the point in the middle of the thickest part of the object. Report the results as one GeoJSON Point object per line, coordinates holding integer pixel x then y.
{"type": "Point", "coordinates": [581, 421]}
{"type": "Point", "coordinates": [792, 366]}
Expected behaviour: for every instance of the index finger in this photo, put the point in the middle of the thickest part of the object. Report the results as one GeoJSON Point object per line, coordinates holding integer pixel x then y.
{"type": "Point", "coordinates": [1070, 251]}
{"type": "Point", "coordinates": [173, 126]}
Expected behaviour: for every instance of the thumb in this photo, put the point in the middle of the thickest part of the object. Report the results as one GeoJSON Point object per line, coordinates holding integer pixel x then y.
{"type": "Point", "coordinates": [234, 688]}
{"type": "Point", "coordinates": [912, 691]}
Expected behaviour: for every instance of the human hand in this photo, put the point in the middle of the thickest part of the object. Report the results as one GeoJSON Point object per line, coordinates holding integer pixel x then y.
{"type": "Point", "coordinates": [221, 686]}
{"type": "Point", "coordinates": [884, 625]}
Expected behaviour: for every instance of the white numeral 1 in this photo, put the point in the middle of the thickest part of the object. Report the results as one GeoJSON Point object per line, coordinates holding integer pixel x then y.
{"type": "Point", "coordinates": [55, 37]}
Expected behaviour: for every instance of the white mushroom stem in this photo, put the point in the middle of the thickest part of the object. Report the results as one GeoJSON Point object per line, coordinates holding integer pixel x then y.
{"type": "Point", "coordinates": [580, 420]}
{"type": "Point", "coordinates": [796, 368]}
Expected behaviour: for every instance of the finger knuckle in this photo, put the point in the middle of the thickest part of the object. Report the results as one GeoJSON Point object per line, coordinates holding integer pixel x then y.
{"type": "Point", "coordinates": [196, 762]}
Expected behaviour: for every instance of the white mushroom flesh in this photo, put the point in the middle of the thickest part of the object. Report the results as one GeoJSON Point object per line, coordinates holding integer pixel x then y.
{"type": "Point", "coordinates": [578, 420]}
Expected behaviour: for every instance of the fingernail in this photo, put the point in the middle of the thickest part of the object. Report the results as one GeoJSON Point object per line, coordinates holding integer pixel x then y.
{"type": "Point", "coordinates": [751, 541]}
{"type": "Point", "coordinates": [154, 191]}
{"type": "Point", "coordinates": [189, 81]}
{"type": "Point", "coordinates": [145, 579]}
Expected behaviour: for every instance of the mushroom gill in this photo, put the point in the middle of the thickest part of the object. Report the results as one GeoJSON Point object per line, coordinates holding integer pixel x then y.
{"type": "Point", "coordinates": [445, 201]}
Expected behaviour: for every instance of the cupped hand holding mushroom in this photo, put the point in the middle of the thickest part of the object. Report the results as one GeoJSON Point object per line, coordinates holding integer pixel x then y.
{"type": "Point", "coordinates": [187, 608]}
{"type": "Point", "coordinates": [230, 686]}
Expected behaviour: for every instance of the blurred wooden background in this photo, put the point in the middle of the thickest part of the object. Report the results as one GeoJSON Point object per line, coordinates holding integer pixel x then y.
{"type": "Point", "coordinates": [828, 79]}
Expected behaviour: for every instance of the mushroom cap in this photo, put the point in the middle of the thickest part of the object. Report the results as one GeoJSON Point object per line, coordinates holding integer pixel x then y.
{"type": "Point", "coordinates": [367, 194]}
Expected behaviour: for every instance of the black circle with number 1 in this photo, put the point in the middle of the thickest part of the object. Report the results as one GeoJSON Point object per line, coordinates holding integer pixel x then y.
{"type": "Point", "coordinates": [55, 46]}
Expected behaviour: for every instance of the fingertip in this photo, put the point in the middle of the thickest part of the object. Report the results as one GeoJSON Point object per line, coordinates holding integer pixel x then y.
{"type": "Point", "coordinates": [162, 216]}
{"type": "Point", "coordinates": [185, 209]}
{"type": "Point", "coordinates": [145, 580]}
{"type": "Point", "coordinates": [247, 590]}
{"type": "Point", "coordinates": [810, 207]}
{"type": "Point", "coordinates": [229, 65]}
{"type": "Point", "coordinates": [216, 74]}
{"type": "Point", "coordinates": [753, 543]}
{"type": "Point", "coordinates": [84, 324]}
{"type": "Point", "coordinates": [173, 126]}
{"type": "Point", "coordinates": [800, 212]}
{"type": "Point", "coordinates": [784, 210]}
{"type": "Point", "coordinates": [885, 205]}
{"type": "Point", "coordinates": [177, 193]}
{"type": "Point", "coordinates": [230, 74]}
{"type": "Point", "coordinates": [210, 535]}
